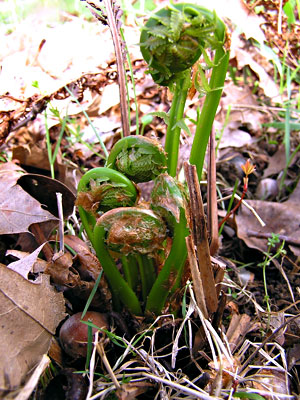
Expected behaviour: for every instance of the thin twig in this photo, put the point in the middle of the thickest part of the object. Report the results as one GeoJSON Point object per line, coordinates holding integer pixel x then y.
{"type": "Point", "coordinates": [61, 222]}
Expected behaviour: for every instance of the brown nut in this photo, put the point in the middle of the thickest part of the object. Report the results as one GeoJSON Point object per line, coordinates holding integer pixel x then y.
{"type": "Point", "coordinates": [73, 334]}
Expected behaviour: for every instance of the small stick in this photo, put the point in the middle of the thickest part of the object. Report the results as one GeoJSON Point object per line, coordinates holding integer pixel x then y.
{"type": "Point", "coordinates": [199, 235]}
{"type": "Point", "coordinates": [61, 222]}
{"type": "Point", "coordinates": [40, 239]}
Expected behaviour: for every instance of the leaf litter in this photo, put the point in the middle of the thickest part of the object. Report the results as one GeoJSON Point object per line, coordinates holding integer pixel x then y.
{"type": "Point", "coordinates": [241, 135]}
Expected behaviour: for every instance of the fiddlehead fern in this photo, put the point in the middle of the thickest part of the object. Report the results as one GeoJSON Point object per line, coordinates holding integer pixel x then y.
{"type": "Point", "coordinates": [102, 189]}
{"type": "Point", "coordinates": [133, 231]}
{"type": "Point", "coordinates": [175, 37]}
{"type": "Point", "coordinates": [172, 40]}
{"type": "Point", "coordinates": [139, 158]}
{"type": "Point", "coordinates": [168, 197]}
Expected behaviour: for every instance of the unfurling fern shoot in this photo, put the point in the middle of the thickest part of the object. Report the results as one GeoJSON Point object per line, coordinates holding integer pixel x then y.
{"type": "Point", "coordinates": [171, 42]}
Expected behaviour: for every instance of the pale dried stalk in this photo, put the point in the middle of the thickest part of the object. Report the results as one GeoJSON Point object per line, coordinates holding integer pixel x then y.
{"type": "Point", "coordinates": [112, 19]}
{"type": "Point", "coordinates": [197, 283]}
{"type": "Point", "coordinates": [199, 235]}
{"type": "Point", "coordinates": [108, 367]}
{"type": "Point", "coordinates": [120, 66]}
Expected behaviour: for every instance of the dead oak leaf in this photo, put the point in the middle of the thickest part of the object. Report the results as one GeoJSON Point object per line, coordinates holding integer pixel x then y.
{"type": "Point", "coordinates": [30, 314]}
{"type": "Point", "coordinates": [26, 261]}
{"type": "Point", "coordinates": [18, 210]}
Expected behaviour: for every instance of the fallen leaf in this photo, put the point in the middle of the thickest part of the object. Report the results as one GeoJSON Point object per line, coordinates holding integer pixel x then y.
{"type": "Point", "coordinates": [30, 314]}
{"type": "Point", "coordinates": [266, 82]}
{"type": "Point", "coordinates": [25, 264]}
{"type": "Point", "coordinates": [130, 391]}
{"type": "Point", "coordinates": [18, 210]}
{"type": "Point", "coordinates": [239, 326]}
{"type": "Point", "coordinates": [33, 381]}
{"type": "Point", "coordinates": [233, 136]}
{"type": "Point", "coordinates": [280, 218]}
{"type": "Point", "coordinates": [271, 381]}
{"type": "Point", "coordinates": [90, 266]}
{"type": "Point", "coordinates": [246, 22]}
{"type": "Point", "coordinates": [244, 107]}
{"type": "Point", "coordinates": [277, 162]}
{"type": "Point", "coordinates": [62, 271]}
{"type": "Point", "coordinates": [110, 97]}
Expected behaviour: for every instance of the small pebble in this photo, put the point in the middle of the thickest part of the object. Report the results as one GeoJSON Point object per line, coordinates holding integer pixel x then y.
{"type": "Point", "coordinates": [267, 189]}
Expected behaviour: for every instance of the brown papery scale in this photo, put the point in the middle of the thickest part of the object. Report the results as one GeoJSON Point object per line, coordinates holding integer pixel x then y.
{"type": "Point", "coordinates": [73, 334]}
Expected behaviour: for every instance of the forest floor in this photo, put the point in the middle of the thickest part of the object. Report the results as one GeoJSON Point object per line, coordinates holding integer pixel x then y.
{"type": "Point", "coordinates": [45, 134]}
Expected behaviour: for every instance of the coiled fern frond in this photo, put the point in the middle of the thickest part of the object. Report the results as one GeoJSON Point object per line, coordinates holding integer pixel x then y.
{"type": "Point", "coordinates": [174, 38]}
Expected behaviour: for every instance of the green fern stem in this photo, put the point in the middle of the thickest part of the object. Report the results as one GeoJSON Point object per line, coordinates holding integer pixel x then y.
{"type": "Point", "coordinates": [120, 289]}
{"type": "Point", "coordinates": [171, 271]}
{"type": "Point", "coordinates": [130, 270]}
{"type": "Point", "coordinates": [168, 198]}
{"type": "Point", "coordinates": [176, 115]}
{"type": "Point", "coordinates": [208, 112]}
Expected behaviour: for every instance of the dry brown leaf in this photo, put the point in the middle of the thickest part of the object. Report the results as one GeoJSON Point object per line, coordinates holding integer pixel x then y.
{"type": "Point", "coordinates": [18, 210]}
{"type": "Point", "coordinates": [239, 326]}
{"type": "Point", "coordinates": [277, 162]}
{"type": "Point", "coordinates": [265, 81]}
{"type": "Point", "coordinates": [62, 271]}
{"type": "Point", "coordinates": [26, 261]}
{"type": "Point", "coordinates": [280, 218]}
{"type": "Point", "coordinates": [30, 314]}
{"type": "Point", "coordinates": [244, 107]}
{"type": "Point", "coordinates": [89, 264]}
{"type": "Point", "coordinates": [273, 381]}
{"type": "Point", "coordinates": [130, 391]}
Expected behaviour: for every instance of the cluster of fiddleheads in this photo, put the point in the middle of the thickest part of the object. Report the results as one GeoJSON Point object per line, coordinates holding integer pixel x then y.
{"type": "Point", "coordinates": [120, 228]}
